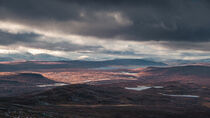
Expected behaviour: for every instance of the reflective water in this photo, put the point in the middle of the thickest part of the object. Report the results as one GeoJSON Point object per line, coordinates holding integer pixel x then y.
{"type": "Point", "coordinates": [52, 85]}
{"type": "Point", "coordinates": [187, 96]}
{"type": "Point", "coordinates": [141, 88]}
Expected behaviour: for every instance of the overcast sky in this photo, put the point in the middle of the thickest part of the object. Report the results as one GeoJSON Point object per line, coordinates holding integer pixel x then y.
{"type": "Point", "coordinates": [106, 29]}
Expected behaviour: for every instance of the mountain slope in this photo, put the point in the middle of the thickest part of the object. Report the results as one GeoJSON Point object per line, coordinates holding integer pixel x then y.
{"type": "Point", "coordinates": [17, 84]}
{"type": "Point", "coordinates": [197, 74]}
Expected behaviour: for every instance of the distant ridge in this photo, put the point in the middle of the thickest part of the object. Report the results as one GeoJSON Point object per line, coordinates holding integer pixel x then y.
{"type": "Point", "coordinates": [34, 65]}
{"type": "Point", "coordinates": [31, 57]}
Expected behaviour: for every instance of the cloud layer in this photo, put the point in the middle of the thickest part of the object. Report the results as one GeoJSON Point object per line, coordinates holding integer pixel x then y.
{"type": "Point", "coordinates": [119, 27]}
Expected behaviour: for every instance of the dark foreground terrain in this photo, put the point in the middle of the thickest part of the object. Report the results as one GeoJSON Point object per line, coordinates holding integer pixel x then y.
{"type": "Point", "coordinates": [169, 92]}
{"type": "Point", "coordinates": [88, 101]}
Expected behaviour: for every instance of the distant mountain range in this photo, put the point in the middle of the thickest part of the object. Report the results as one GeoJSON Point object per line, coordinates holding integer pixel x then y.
{"type": "Point", "coordinates": [36, 65]}
{"type": "Point", "coordinates": [174, 62]}
{"type": "Point", "coordinates": [181, 62]}
{"type": "Point", "coordinates": [141, 62]}
{"type": "Point", "coordinates": [6, 59]}
{"type": "Point", "coordinates": [30, 57]}
{"type": "Point", "coordinates": [119, 62]}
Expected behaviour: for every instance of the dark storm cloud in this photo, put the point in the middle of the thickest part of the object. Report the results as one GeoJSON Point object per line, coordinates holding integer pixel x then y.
{"type": "Point", "coordinates": [204, 46]}
{"type": "Point", "coordinates": [61, 46]}
{"type": "Point", "coordinates": [140, 20]}
{"type": "Point", "coordinates": [31, 40]}
{"type": "Point", "coordinates": [9, 39]}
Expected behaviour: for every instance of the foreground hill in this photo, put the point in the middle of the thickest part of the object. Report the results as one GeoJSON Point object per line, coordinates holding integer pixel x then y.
{"type": "Point", "coordinates": [12, 84]}
{"type": "Point", "coordinates": [91, 101]}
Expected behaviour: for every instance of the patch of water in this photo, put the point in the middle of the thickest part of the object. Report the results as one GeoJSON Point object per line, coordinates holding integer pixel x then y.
{"type": "Point", "coordinates": [187, 96]}
{"type": "Point", "coordinates": [128, 73]}
{"type": "Point", "coordinates": [141, 88]}
{"type": "Point", "coordinates": [52, 85]}
{"type": "Point", "coordinates": [138, 88]}
{"type": "Point", "coordinates": [158, 87]}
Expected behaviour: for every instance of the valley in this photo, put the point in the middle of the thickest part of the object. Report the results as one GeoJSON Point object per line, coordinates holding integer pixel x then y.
{"type": "Point", "coordinates": [149, 92]}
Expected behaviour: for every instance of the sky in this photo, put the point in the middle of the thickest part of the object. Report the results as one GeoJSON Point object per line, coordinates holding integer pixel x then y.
{"type": "Point", "coordinates": [106, 29]}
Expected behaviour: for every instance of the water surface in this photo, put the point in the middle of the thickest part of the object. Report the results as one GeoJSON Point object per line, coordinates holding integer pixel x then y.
{"type": "Point", "coordinates": [51, 85]}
